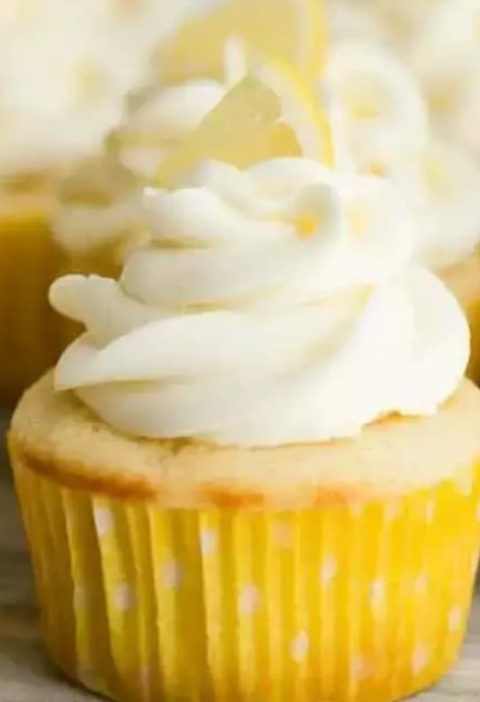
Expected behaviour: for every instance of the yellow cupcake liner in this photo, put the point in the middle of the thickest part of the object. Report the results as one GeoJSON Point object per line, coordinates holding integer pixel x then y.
{"type": "Point", "coordinates": [30, 329]}
{"type": "Point", "coordinates": [33, 335]}
{"type": "Point", "coordinates": [358, 602]}
{"type": "Point", "coordinates": [473, 315]}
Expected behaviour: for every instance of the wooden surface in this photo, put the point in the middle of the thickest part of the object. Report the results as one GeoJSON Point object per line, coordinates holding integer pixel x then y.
{"type": "Point", "coordinates": [25, 675]}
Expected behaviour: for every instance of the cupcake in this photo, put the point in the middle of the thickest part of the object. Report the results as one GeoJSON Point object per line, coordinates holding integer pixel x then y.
{"type": "Point", "coordinates": [64, 75]}
{"type": "Point", "coordinates": [255, 474]}
{"type": "Point", "coordinates": [382, 126]}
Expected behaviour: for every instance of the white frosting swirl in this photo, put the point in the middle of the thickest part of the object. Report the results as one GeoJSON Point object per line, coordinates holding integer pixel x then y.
{"type": "Point", "coordinates": [163, 121]}
{"type": "Point", "coordinates": [272, 306]}
{"type": "Point", "coordinates": [381, 125]}
{"type": "Point", "coordinates": [445, 194]}
{"type": "Point", "coordinates": [379, 112]}
{"type": "Point", "coordinates": [97, 205]}
{"type": "Point", "coordinates": [446, 57]}
{"type": "Point", "coordinates": [65, 70]}
{"type": "Point", "coordinates": [85, 223]}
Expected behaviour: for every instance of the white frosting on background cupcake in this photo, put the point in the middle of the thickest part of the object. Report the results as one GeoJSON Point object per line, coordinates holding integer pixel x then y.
{"type": "Point", "coordinates": [150, 131]}
{"type": "Point", "coordinates": [439, 40]}
{"type": "Point", "coordinates": [379, 108]}
{"type": "Point", "coordinates": [382, 125]}
{"type": "Point", "coordinates": [65, 70]}
{"type": "Point", "coordinates": [446, 57]}
{"type": "Point", "coordinates": [273, 305]}
{"type": "Point", "coordinates": [97, 205]}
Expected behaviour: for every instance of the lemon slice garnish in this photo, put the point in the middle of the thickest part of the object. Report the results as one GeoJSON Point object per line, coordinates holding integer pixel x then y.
{"type": "Point", "coordinates": [270, 113]}
{"type": "Point", "coordinates": [288, 30]}
{"type": "Point", "coordinates": [301, 110]}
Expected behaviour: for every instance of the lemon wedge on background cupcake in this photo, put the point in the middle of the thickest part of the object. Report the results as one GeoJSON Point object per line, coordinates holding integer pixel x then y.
{"type": "Point", "coordinates": [289, 30]}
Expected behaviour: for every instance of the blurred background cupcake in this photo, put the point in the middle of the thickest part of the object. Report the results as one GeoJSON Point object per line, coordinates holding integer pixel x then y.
{"type": "Point", "coordinates": [65, 72]}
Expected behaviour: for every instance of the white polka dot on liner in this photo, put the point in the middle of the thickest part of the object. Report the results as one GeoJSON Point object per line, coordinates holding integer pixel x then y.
{"type": "Point", "coordinates": [123, 597]}
{"type": "Point", "coordinates": [299, 647]}
{"type": "Point", "coordinates": [420, 659]}
{"type": "Point", "coordinates": [392, 511]}
{"type": "Point", "coordinates": [328, 570]}
{"type": "Point", "coordinates": [430, 512]}
{"type": "Point", "coordinates": [79, 597]}
{"type": "Point", "coordinates": [420, 585]}
{"type": "Point", "coordinates": [455, 620]}
{"type": "Point", "coordinates": [377, 592]}
{"type": "Point", "coordinates": [171, 574]}
{"type": "Point", "coordinates": [145, 677]}
{"type": "Point", "coordinates": [355, 509]}
{"type": "Point", "coordinates": [282, 534]}
{"type": "Point", "coordinates": [215, 631]}
{"type": "Point", "coordinates": [359, 668]}
{"type": "Point", "coordinates": [248, 600]}
{"type": "Point", "coordinates": [208, 541]}
{"type": "Point", "coordinates": [103, 518]}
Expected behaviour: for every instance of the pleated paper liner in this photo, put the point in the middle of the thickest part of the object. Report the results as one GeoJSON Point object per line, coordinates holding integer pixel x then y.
{"type": "Point", "coordinates": [33, 335]}
{"type": "Point", "coordinates": [360, 602]}
{"type": "Point", "coordinates": [472, 311]}
{"type": "Point", "coordinates": [28, 263]}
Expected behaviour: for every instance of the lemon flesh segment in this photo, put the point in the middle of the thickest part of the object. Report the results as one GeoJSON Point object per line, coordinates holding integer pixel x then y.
{"type": "Point", "coordinates": [245, 128]}
{"type": "Point", "coordinates": [288, 30]}
{"type": "Point", "coordinates": [301, 110]}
